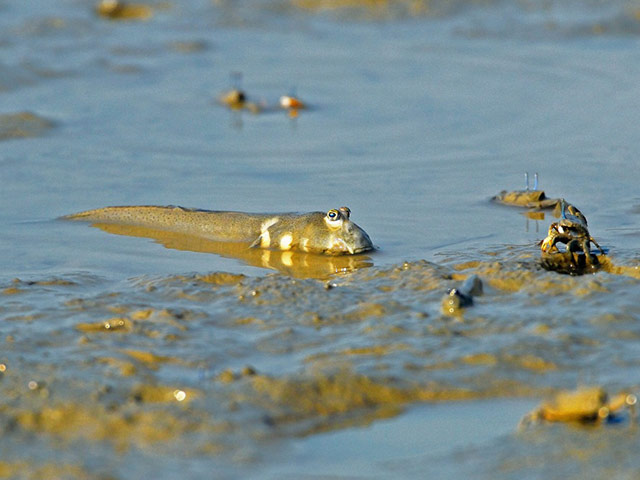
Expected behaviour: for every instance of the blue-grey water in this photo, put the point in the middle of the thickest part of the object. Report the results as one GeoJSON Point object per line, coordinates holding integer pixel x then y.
{"type": "Point", "coordinates": [417, 117]}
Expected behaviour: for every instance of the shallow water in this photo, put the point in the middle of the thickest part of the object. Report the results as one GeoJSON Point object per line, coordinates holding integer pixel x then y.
{"type": "Point", "coordinates": [418, 116]}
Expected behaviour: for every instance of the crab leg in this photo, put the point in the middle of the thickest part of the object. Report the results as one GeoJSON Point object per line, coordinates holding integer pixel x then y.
{"type": "Point", "coordinates": [597, 245]}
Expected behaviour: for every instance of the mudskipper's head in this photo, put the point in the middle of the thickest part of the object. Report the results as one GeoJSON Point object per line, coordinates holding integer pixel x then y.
{"type": "Point", "coordinates": [330, 233]}
{"type": "Point", "coordinates": [342, 236]}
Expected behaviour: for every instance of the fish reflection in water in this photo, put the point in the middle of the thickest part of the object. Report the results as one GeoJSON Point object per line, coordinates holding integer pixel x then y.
{"type": "Point", "coordinates": [293, 263]}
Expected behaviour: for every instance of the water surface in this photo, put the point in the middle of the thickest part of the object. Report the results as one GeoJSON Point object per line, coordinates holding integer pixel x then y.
{"type": "Point", "coordinates": [418, 116]}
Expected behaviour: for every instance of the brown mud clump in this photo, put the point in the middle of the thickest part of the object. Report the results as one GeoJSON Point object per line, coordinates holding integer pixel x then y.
{"type": "Point", "coordinates": [346, 397]}
{"type": "Point", "coordinates": [369, 9]}
{"type": "Point", "coordinates": [22, 125]}
{"type": "Point", "coordinates": [117, 10]}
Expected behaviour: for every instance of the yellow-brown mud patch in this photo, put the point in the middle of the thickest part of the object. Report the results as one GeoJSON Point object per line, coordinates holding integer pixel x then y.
{"type": "Point", "coordinates": [54, 471]}
{"type": "Point", "coordinates": [527, 361]}
{"type": "Point", "coordinates": [609, 266]}
{"type": "Point", "coordinates": [379, 350]}
{"type": "Point", "coordinates": [221, 278]}
{"type": "Point", "coordinates": [22, 125]}
{"type": "Point", "coordinates": [121, 427]}
{"type": "Point", "coordinates": [249, 321]}
{"type": "Point", "coordinates": [186, 46]}
{"type": "Point", "coordinates": [531, 362]}
{"type": "Point", "coordinates": [346, 391]}
{"type": "Point", "coordinates": [371, 8]}
{"type": "Point", "coordinates": [123, 367]}
{"type": "Point", "coordinates": [367, 310]}
{"type": "Point", "coordinates": [162, 394]}
{"type": "Point", "coordinates": [142, 314]}
{"type": "Point", "coordinates": [129, 320]}
{"type": "Point", "coordinates": [227, 375]}
{"type": "Point", "coordinates": [467, 265]}
{"type": "Point", "coordinates": [117, 309]}
{"type": "Point", "coordinates": [118, 10]}
{"type": "Point", "coordinates": [20, 286]}
{"type": "Point", "coordinates": [504, 277]}
{"type": "Point", "coordinates": [480, 359]}
{"type": "Point", "coordinates": [12, 291]}
{"type": "Point", "coordinates": [323, 402]}
{"type": "Point", "coordinates": [115, 324]}
{"type": "Point", "coordinates": [414, 278]}
{"type": "Point", "coordinates": [149, 359]}
{"type": "Point", "coordinates": [375, 350]}
{"type": "Point", "coordinates": [350, 398]}
{"type": "Point", "coordinates": [213, 278]}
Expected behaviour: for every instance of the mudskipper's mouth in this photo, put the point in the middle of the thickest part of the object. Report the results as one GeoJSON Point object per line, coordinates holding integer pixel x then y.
{"type": "Point", "coordinates": [354, 251]}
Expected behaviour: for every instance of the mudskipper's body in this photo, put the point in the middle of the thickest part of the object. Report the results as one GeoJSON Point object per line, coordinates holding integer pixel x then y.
{"type": "Point", "coordinates": [330, 233]}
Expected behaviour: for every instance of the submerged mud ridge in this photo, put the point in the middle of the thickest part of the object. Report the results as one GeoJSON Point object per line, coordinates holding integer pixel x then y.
{"type": "Point", "coordinates": [22, 125]}
{"type": "Point", "coordinates": [200, 364]}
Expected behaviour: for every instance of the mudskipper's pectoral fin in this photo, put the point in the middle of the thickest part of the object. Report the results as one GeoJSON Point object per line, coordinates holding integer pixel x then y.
{"type": "Point", "coordinates": [257, 243]}
{"type": "Point", "coordinates": [266, 236]}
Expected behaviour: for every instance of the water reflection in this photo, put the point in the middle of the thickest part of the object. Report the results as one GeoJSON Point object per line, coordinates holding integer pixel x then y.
{"type": "Point", "coordinates": [536, 216]}
{"type": "Point", "coordinates": [295, 264]}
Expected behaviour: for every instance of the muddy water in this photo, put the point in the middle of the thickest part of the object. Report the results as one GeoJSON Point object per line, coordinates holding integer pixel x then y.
{"type": "Point", "coordinates": [136, 355]}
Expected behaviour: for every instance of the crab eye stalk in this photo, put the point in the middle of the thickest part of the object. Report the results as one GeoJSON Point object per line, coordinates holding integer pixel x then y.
{"type": "Point", "coordinates": [333, 215]}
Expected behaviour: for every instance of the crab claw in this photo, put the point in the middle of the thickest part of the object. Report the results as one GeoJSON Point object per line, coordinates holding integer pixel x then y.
{"type": "Point", "coordinates": [547, 244]}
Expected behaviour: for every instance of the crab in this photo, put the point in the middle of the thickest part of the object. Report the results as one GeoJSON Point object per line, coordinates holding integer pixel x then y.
{"type": "Point", "coordinates": [571, 230]}
{"type": "Point", "coordinates": [534, 199]}
{"type": "Point", "coordinates": [586, 405]}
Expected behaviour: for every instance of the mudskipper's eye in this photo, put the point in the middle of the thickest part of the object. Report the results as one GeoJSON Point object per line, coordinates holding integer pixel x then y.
{"type": "Point", "coordinates": [333, 215]}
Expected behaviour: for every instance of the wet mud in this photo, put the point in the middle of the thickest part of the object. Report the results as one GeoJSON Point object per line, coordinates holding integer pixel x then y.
{"type": "Point", "coordinates": [201, 364]}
